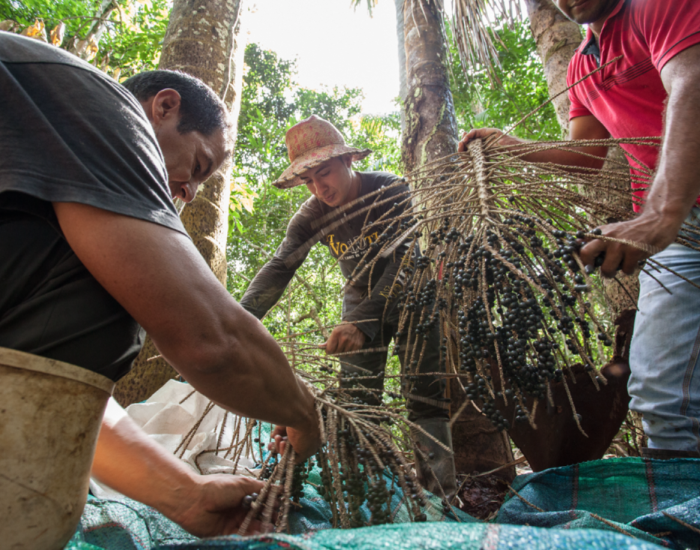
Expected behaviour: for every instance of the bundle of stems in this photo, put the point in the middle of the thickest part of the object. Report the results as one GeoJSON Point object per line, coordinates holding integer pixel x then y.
{"type": "Point", "coordinates": [500, 272]}
{"type": "Point", "coordinates": [360, 462]}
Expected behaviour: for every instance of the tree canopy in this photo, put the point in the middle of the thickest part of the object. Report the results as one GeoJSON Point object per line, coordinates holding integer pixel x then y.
{"type": "Point", "coordinates": [482, 102]}
{"type": "Point", "coordinates": [123, 36]}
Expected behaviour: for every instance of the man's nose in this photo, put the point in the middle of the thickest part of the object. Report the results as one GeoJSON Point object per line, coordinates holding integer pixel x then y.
{"type": "Point", "coordinates": [188, 191]}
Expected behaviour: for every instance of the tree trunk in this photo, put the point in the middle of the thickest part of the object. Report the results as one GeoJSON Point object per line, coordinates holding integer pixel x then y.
{"type": "Point", "coordinates": [203, 39]}
{"type": "Point", "coordinates": [431, 127]}
{"type": "Point", "coordinates": [430, 133]}
{"type": "Point", "coordinates": [403, 85]}
{"type": "Point", "coordinates": [478, 445]}
{"type": "Point", "coordinates": [557, 38]}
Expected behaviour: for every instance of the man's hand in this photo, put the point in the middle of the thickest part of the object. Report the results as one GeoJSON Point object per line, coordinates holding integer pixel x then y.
{"type": "Point", "coordinates": [214, 505]}
{"type": "Point", "coordinates": [304, 443]}
{"type": "Point", "coordinates": [484, 133]}
{"type": "Point", "coordinates": [581, 128]}
{"type": "Point", "coordinates": [344, 338]}
{"type": "Point", "coordinates": [129, 461]}
{"type": "Point", "coordinates": [650, 229]}
{"type": "Point", "coordinates": [305, 439]}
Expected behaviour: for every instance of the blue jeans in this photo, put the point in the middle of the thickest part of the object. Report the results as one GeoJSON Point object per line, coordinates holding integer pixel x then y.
{"type": "Point", "coordinates": [665, 380]}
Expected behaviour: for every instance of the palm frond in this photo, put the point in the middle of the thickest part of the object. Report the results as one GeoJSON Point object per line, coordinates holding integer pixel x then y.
{"type": "Point", "coordinates": [474, 24]}
{"type": "Point", "coordinates": [371, 4]}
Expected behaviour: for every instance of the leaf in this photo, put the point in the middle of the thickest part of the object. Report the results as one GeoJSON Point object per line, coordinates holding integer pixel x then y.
{"type": "Point", "coordinates": [247, 202]}
{"type": "Point", "coordinates": [37, 31]}
{"type": "Point", "coordinates": [8, 25]}
{"type": "Point", "coordinates": [91, 49]}
{"type": "Point", "coordinates": [58, 33]}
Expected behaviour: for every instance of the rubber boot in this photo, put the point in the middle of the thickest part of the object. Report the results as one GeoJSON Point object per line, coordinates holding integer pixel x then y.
{"type": "Point", "coordinates": [435, 466]}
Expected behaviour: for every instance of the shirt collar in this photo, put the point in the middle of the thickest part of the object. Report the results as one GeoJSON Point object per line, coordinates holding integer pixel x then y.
{"type": "Point", "coordinates": [591, 46]}
{"type": "Point", "coordinates": [617, 9]}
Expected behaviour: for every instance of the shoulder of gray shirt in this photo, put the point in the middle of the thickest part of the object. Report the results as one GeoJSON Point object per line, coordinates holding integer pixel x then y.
{"type": "Point", "coordinates": [15, 48]}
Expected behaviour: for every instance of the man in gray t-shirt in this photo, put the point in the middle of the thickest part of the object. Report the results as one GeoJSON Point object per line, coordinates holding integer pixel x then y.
{"type": "Point", "coordinates": [92, 249]}
{"type": "Point", "coordinates": [371, 204]}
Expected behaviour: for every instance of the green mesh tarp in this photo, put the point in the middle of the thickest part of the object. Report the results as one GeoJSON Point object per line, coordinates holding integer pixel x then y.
{"type": "Point", "coordinates": [128, 525]}
{"type": "Point", "coordinates": [646, 499]}
{"type": "Point", "coordinates": [450, 536]}
{"type": "Point", "coordinates": [621, 504]}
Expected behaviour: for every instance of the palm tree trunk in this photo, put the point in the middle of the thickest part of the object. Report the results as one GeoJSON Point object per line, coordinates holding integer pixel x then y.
{"type": "Point", "coordinates": [403, 85]}
{"type": "Point", "coordinates": [557, 39]}
{"type": "Point", "coordinates": [431, 127]}
{"type": "Point", "coordinates": [431, 133]}
{"type": "Point", "coordinates": [203, 39]}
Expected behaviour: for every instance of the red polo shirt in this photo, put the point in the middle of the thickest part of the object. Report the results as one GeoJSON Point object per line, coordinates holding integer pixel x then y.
{"type": "Point", "coordinates": [628, 97]}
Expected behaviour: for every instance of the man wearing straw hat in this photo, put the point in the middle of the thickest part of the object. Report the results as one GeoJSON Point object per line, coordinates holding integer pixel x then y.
{"type": "Point", "coordinates": [650, 88]}
{"type": "Point", "coordinates": [349, 213]}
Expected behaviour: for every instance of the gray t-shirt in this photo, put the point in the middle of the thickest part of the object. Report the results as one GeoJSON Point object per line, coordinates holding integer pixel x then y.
{"type": "Point", "coordinates": [70, 133]}
{"type": "Point", "coordinates": [315, 222]}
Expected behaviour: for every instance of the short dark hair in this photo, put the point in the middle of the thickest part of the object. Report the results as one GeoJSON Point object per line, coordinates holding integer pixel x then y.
{"type": "Point", "coordinates": [201, 110]}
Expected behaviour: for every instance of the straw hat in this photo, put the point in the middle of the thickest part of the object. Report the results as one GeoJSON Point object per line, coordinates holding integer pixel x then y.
{"type": "Point", "coordinates": [310, 143]}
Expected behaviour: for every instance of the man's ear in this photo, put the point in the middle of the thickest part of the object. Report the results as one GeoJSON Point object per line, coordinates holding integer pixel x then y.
{"type": "Point", "coordinates": [165, 104]}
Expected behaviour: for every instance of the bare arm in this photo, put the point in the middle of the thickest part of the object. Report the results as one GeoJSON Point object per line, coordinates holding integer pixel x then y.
{"type": "Point", "coordinates": [162, 281]}
{"type": "Point", "coordinates": [580, 128]}
{"type": "Point", "coordinates": [129, 461]}
{"type": "Point", "coordinates": [676, 185]}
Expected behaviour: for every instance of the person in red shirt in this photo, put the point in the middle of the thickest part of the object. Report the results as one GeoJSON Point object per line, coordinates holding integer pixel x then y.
{"type": "Point", "coordinates": [652, 90]}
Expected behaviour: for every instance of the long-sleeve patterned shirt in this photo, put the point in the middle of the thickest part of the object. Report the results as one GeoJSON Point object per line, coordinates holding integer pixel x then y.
{"type": "Point", "coordinates": [343, 235]}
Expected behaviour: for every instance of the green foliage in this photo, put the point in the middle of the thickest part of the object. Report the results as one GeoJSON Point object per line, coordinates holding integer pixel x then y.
{"type": "Point", "coordinates": [479, 103]}
{"type": "Point", "coordinates": [131, 39]}
{"type": "Point", "coordinates": [135, 38]}
{"type": "Point", "coordinates": [78, 15]}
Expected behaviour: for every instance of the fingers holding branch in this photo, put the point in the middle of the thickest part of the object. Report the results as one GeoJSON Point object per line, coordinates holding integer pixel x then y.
{"type": "Point", "coordinates": [344, 338]}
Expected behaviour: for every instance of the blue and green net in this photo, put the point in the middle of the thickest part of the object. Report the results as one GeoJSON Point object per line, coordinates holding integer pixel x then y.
{"type": "Point", "coordinates": [622, 504]}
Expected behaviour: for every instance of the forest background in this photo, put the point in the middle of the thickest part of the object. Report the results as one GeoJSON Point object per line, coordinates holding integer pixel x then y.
{"type": "Point", "coordinates": [123, 37]}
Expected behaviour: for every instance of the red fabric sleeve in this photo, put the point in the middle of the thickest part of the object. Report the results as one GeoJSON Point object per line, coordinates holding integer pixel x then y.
{"type": "Point", "coordinates": [667, 26]}
{"type": "Point", "coordinates": [577, 108]}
